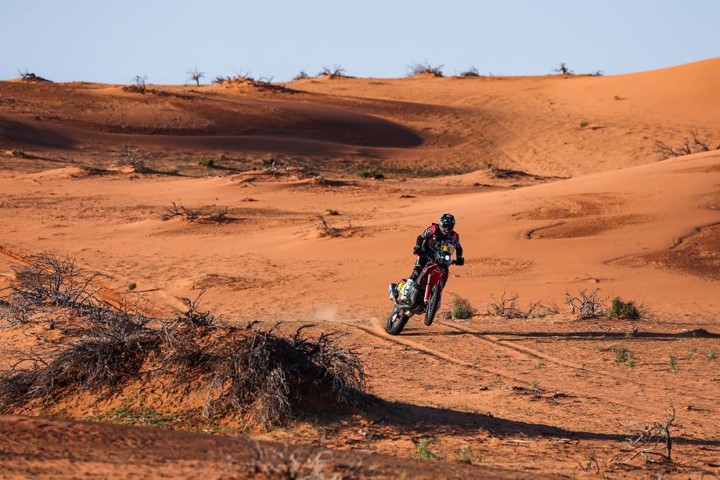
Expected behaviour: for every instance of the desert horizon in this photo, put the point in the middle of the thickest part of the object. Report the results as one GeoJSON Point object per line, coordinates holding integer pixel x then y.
{"type": "Point", "coordinates": [177, 226]}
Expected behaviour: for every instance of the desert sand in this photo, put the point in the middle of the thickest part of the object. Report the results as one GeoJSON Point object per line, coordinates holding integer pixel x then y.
{"type": "Point", "coordinates": [557, 186]}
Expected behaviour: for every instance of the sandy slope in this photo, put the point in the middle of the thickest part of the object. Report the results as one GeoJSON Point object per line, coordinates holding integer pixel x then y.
{"type": "Point", "coordinates": [537, 395]}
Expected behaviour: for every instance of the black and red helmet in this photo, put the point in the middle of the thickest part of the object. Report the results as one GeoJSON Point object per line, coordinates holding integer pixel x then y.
{"type": "Point", "coordinates": [447, 223]}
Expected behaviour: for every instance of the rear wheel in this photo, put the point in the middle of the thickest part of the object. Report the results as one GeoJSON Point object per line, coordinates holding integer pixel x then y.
{"type": "Point", "coordinates": [433, 305]}
{"type": "Point", "coordinates": [397, 320]}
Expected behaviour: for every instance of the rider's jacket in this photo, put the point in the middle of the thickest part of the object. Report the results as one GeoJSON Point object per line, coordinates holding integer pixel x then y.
{"type": "Point", "coordinates": [432, 237]}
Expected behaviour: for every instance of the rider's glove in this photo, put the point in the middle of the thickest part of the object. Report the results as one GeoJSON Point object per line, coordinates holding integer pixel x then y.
{"type": "Point", "coordinates": [417, 250]}
{"type": "Point", "coordinates": [460, 261]}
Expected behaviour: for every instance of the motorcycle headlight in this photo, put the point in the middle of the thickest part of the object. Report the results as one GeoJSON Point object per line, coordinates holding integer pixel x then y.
{"type": "Point", "coordinates": [447, 258]}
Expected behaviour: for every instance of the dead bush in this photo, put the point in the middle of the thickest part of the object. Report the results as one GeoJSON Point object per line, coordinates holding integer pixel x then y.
{"type": "Point", "coordinates": [138, 86]}
{"type": "Point", "coordinates": [588, 305]}
{"type": "Point", "coordinates": [654, 443]}
{"type": "Point", "coordinates": [30, 77]}
{"type": "Point", "coordinates": [134, 159]}
{"type": "Point", "coordinates": [563, 69]}
{"type": "Point", "coordinates": [260, 376]}
{"type": "Point", "coordinates": [102, 362]}
{"type": "Point", "coordinates": [193, 314]}
{"type": "Point", "coordinates": [335, 72]}
{"type": "Point", "coordinates": [263, 84]}
{"type": "Point", "coordinates": [49, 280]}
{"type": "Point", "coordinates": [508, 307]}
{"type": "Point", "coordinates": [424, 68]}
{"type": "Point", "coordinates": [264, 375]}
{"type": "Point", "coordinates": [470, 72]}
{"type": "Point", "coordinates": [690, 145]}
{"type": "Point", "coordinates": [190, 215]}
{"type": "Point", "coordinates": [302, 75]}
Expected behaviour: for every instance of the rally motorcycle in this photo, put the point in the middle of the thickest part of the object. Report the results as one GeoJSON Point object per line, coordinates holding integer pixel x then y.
{"type": "Point", "coordinates": [415, 298]}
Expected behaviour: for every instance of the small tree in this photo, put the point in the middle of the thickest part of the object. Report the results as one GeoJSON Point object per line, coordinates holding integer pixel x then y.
{"type": "Point", "coordinates": [195, 75]}
{"type": "Point", "coordinates": [563, 69]}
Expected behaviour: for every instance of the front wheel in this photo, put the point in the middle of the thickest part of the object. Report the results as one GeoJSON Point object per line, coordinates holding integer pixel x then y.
{"type": "Point", "coordinates": [433, 305]}
{"type": "Point", "coordinates": [397, 320]}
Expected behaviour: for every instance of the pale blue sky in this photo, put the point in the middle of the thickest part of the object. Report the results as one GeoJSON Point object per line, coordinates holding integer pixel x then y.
{"type": "Point", "coordinates": [111, 41]}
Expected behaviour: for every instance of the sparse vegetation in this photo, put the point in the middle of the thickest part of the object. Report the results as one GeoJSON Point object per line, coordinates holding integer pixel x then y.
{"type": "Point", "coordinates": [563, 69]}
{"type": "Point", "coordinates": [690, 145]}
{"type": "Point", "coordinates": [423, 449]}
{"type": "Point", "coordinates": [470, 72]}
{"type": "Point", "coordinates": [508, 307]}
{"type": "Point", "coordinates": [583, 124]}
{"type": "Point", "coordinates": [336, 71]}
{"type": "Point", "coordinates": [626, 310]}
{"type": "Point", "coordinates": [461, 309]}
{"type": "Point", "coordinates": [192, 215]}
{"type": "Point", "coordinates": [654, 442]}
{"type": "Point", "coordinates": [588, 305]}
{"type": "Point", "coordinates": [138, 86]}
{"type": "Point", "coordinates": [710, 356]}
{"type": "Point", "coordinates": [133, 159]}
{"type": "Point", "coordinates": [331, 212]}
{"type": "Point", "coordinates": [424, 68]}
{"type": "Point", "coordinates": [139, 415]}
{"type": "Point", "coordinates": [19, 153]}
{"type": "Point", "coordinates": [195, 75]}
{"type": "Point", "coordinates": [302, 75]}
{"type": "Point", "coordinates": [30, 77]}
{"type": "Point", "coordinates": [466, 455]}
{"type": "Point", "coordinates": [49, 280]}
{"type": "Point", "coordinates": [132, 287]}
{"type": "Point", "coordinates": [206, 162]}
{"type": "Point", "coordinates": [672, 363]}
{"type": "Point", "coordinates": [259, 376]}
{"type": "Point", "coordinates": [625, 355]}
{"type": "Point", "coordinates": [245, 79]}
{"type": "Point", "coordinates": [371, 173]}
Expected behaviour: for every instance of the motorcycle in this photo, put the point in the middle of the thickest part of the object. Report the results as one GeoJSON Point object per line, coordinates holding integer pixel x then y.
{"type": "Point", "coordinates": [424, 296]}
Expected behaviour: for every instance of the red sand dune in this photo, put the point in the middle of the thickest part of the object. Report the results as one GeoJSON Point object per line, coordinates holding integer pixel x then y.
{"type": "Point", "coordinates": [577, 199]}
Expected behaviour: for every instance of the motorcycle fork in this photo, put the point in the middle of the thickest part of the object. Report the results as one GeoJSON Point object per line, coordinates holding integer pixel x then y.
{"type": "Point", "coordinates": [433, 279]}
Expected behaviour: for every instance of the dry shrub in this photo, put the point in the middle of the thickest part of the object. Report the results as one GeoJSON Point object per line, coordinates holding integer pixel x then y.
{"type": "Point", "coordinates": [135, 160]}
{"type": "Point", "coordinates": [688, 146]}
{"type": "Point", "coordinates": [424, 68]}
{"type": "Point", "coordinates": [31, 77]}
{"type": "Point", "coordinates": [470, 72]}
{"type": "Point", "coordinates": [192, 215]}
{"type": "Point", "coordinates": [654, 443]}
{"type": "Point", "coordinates": [508, 307]}
{"type": "Point", "coordinates": [587, 305]}
{"type": "Point", "coordinates": [49, 280]}
{"type": "Point", "coordinates": [102, 362]}
{"type": "Point", "coordinates": [256, 375]}
{"type": "Point", "coordinates": [335, 72]}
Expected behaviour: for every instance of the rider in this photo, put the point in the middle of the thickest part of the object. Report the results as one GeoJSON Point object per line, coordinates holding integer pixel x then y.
{"type": "Point", "coordinates": [429, 241]}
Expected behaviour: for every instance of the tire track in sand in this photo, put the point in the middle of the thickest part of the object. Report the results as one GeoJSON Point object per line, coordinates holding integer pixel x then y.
{"type": "Point", "coordinates": [520, 351]}
{"type": "Point", "coordinates": [379, 332]}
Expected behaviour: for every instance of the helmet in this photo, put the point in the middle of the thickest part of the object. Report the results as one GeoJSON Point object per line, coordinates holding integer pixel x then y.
{"type": "Point", "coordinates": [447, 223]}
